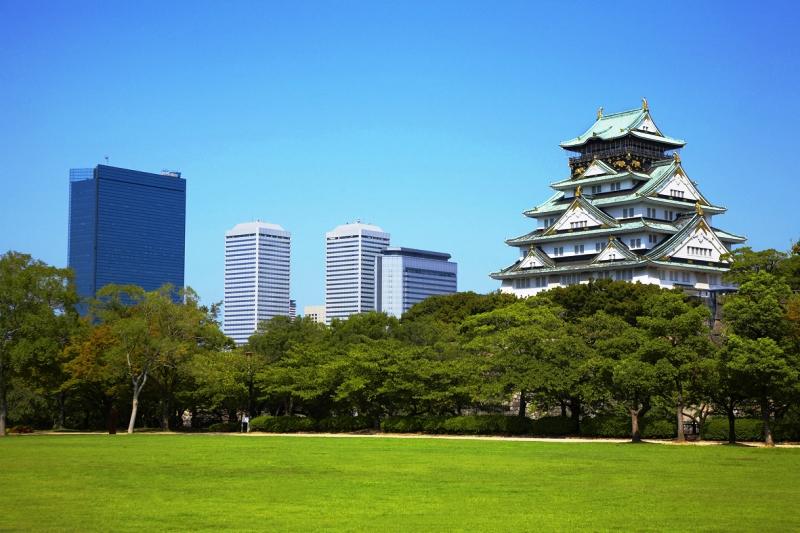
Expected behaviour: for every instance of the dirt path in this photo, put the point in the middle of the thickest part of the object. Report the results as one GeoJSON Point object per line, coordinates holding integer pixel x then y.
{"type": "Point", "coordinates": [376, 435]}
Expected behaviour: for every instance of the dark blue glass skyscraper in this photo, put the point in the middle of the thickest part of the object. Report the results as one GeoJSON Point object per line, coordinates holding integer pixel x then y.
{"type": "Point", "coordinates": [126, 227]}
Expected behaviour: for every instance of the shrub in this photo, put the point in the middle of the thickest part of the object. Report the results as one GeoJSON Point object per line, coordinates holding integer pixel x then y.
{"type": "Point", "coordinates": [487, 425]}
{"type": "Point", "coordinates": [225, 427]}
{"type": "Point", "coordinates": [338, 424]}
{"type": "Point", "coordinates": [553, 426]}
{"type": "Point", "coordinates": [20, 429]}
{"type": "Point", "coordinates": [788, 427]}
{"type": "Point", "coordinates": [606, 426]}
{"type": "Point", "coordinates": [282, 424]}
{"type": "Point", "coordinates": [402, 424]}
{"type": "Point", "coordinates": [659, 429]}
{"type": "Point", "coordinates": [746, 429]}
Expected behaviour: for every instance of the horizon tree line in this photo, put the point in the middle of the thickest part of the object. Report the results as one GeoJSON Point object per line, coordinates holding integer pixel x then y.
{"type": "Point", "coordinates": [583, 351]}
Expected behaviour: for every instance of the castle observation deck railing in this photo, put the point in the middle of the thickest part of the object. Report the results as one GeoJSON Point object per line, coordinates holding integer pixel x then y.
{"type": "Point", "coordinates": [635, 150]}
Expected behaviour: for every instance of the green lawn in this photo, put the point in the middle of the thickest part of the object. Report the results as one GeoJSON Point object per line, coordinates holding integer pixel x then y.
{"type": "Point", "coordinates": [213, 482]}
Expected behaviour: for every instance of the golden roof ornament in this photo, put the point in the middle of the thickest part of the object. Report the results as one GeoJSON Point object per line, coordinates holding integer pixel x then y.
{"type": "Point", "coordinates": [599, 112]}
{"type": "Point", "coordinates": [578, 191]}
{"type": "Point", "coordinates": [698, 208]}
{"type": "Point", "coordinates": [676, 156]}
{"type": "Point", "coordinates": [644, 104]}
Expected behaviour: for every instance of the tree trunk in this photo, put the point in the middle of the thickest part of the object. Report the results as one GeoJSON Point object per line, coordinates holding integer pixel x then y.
{"type": "Point", "coordinates": [575, 413]}
{"type": "Point", "coordinates": [635, 435]}
{"type": "Point", "coordinates": [731, 427]}
{"type": "Point", "coordinates": [768, 440]}
{"type": "Point", "coordinates": [61, 410]}
{"type": "Point", "coordinates": [134, 408]}
{"type": "Point", "coordinates": [523, 405]}
{"type": "Point", "coordinates": [681, 437]}
{"type": "Point", "coordinates": [137, 388]}
{"type": "Point", "coordinates": [165, 414]}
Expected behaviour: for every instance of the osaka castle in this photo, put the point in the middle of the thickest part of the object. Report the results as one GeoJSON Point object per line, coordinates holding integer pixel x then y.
{"type": "Point", "coordinates": [628, 211]}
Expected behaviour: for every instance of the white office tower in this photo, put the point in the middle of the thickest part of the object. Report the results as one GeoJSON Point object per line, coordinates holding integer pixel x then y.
{"type": "Point", "coordinates": [406, 276]}
{"type": "Point", "coordinates": [350, 252]}
{"type": "Point", "coordinates": [256, 277]}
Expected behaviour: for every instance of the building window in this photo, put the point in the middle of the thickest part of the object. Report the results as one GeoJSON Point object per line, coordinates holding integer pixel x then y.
{"type": "Point", "coordinates": [699, 252]}
{"type": "Point", "coordinates": [675, 193]}
{"type": "Point", "coordinates": [598, 246]}
{"type": "Point", "coordinates": [687, 277]}
{"type": "Point", "coordinates": [616, 186]}
{"type": "Point", "coordinates": [570, 279]}
{"type": "Point", "coordinates": [673, 275]}
{"type": "Point", "coordinates": [522, 283]}
{"type": "Point", "coordinates": [652, 239]}
{"type": "Point", "coordinates": [549, 222]}
{"type": "Point", "coordinates": [624, 275]}
{"type": "Point", "coordinates": [627, 212]}
{"type": "Point", "coordinates": [578, 249]}
{"type": "Point", "coordinates": [635, 243]}
{"type": "Point", "coordinates": [578, 225]}
{"type": "Point", "coordinates": [651, 213]}
{"type": "Point", "coordinates": [558, 250]}
{"type": "Point", "coordinates": [597, 189]}
{"type": "Point", "coordinates": [669, 215]}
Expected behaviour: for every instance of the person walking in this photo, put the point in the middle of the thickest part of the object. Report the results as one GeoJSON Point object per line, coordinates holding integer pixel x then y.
{"type": "Point", "coordinates": [245, 424]}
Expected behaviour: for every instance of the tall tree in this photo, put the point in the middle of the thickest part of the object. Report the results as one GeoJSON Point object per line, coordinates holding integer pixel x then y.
{"type": "Point", "coordinates": [766, 374]}
{"type": "Point", "coordinates": [520, 346]}
{"type": "Point", "coordinates": [677, 335]}
{"type": "Point", "coordinates": [33, 297]}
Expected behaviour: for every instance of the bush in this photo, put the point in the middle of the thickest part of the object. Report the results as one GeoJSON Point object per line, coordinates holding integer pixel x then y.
{"type": "Point", "coordinates": [402, 424]}
{"type": "Point", "coordinates": [338, 424]}
{"type": "Point", "coordinates": [282, 424]}
{"type": "Point", "coordinates": [609, 426]}
{"type": "Point", "coordinates": [225, 427]}
{"type": "Point", "coordinates": [487, 425]}
{"type": "Point", "coordinates": [20, 429]}
{"type": "Point", "coordinates": [659, 429]}
{"type": "Point", "coordinates": [746, 429]}
{"type": "Point", "coordinates": [553, 426]}
{"type": "Point", "coordinates": [788, 427]}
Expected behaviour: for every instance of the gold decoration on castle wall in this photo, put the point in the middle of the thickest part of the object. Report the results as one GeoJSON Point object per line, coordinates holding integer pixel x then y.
{"type": "Point", "coordinates": [676, 156]}
{"type": "Point", "coordinates": [620, 163]}
{"type": "Point", "coordinates": [578, 191]}
{"type": "Point", "coordinates": [578, 171]}
{"type": "Point", "coordinates": [698, 208]}
{"type": "Point", "coordinates": [600, 113]}
{"type": "Point", "coordinates": [645, 107]}
{"type": "Point", "coordinates": [636, 163]}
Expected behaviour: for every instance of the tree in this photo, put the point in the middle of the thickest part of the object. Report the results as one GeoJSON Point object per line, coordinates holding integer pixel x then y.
{"type": "Point", "coordinates": [678, 336]}
{"type": "Point", "coordinates": [520, 347]}
{"type": "Point", "coordinates": [765, 372]}
{"type": "Point", "coordinates": [154, 336]}
{"type": "Point", "coordinates": [33, 297]}
{"type": "Point", "coordinates": [757, 309]}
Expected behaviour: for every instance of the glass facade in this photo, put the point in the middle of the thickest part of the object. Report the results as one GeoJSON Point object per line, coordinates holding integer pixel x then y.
{"type": "Point", "coordinates": [126, 227]}
{"type": "Point", "coordinates": [405, 276]}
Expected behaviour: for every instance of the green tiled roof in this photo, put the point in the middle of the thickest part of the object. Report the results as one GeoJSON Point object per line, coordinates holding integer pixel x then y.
{"type": "Point", "coordinates": [510, 272]}
{"type": "Point", "coordinates": [569, 183]}
{"type": "Point", "coordinates": [624, 227]}
{"type": "Point", "coordinates": [617, 125]}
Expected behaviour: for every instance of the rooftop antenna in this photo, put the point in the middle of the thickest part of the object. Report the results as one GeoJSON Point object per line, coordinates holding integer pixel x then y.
{"type": "Point", "coordinates": [106, 158]}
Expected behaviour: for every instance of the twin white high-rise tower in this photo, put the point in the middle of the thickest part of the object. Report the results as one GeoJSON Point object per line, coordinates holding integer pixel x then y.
{"type": "Point", "coordinates": [256, 277]}
{"type": "Point", "coordinates": [350, 255]}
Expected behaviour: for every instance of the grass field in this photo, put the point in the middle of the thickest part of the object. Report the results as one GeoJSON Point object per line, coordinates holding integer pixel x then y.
{"type": "Point", "coordinates": [213, 482]}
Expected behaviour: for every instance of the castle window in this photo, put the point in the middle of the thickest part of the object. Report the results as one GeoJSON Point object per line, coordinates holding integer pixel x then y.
{"type": "Point", "coordinates": [558, 250]}
{"type": "Point", "coordinates": [578, 225]}
{"type": "Point", "coordinates": [578, 249]}
{"type": "Point", "coordinates": [598, 246]}
{"type": "Point", "coordinates": [676, 193]}
{"type": "Point", "coordinates": [635, 243]}
{"type": "Point", "coordinates": [616, 186]}
{"type": "Point", "coordinates": [597, 189]}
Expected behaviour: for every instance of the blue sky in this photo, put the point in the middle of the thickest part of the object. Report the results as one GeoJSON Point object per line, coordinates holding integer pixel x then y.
{"type": "Point", "coordinates": [439, 121]}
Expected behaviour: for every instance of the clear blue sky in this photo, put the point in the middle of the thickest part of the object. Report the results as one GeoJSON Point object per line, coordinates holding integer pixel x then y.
{"type": "Point", "coordinates": [438, 121]}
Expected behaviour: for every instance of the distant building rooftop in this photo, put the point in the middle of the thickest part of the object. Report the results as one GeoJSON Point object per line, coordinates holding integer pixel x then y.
{"type": "Point", "coordinates": [413, 252]}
